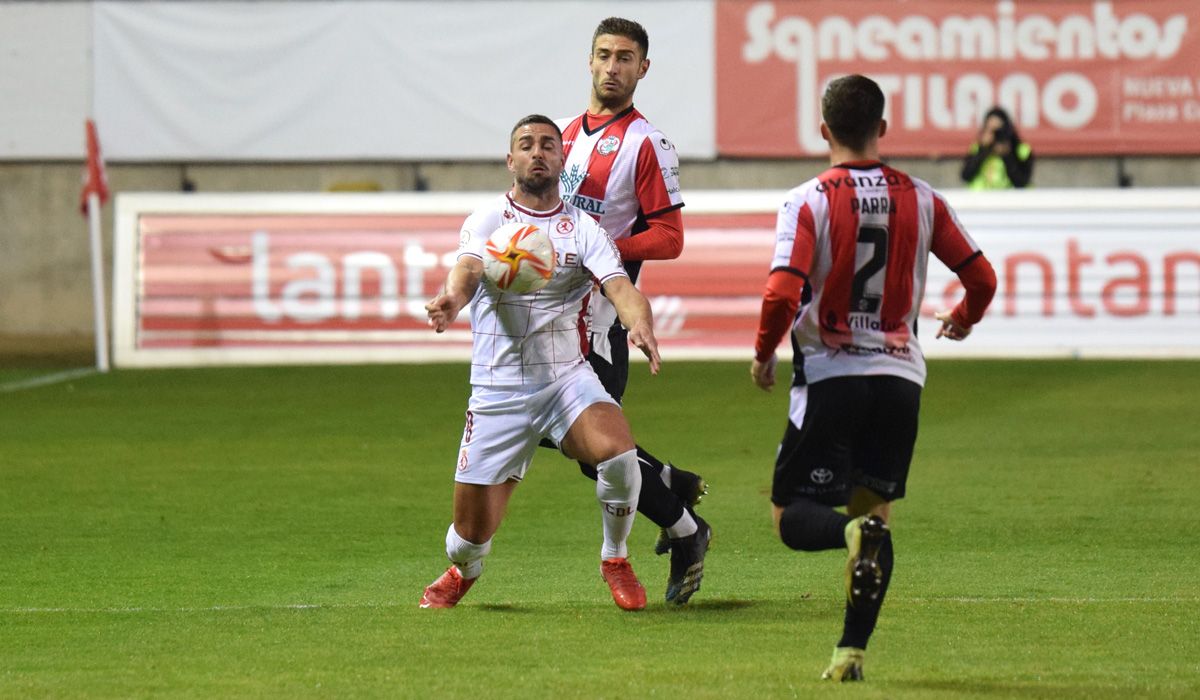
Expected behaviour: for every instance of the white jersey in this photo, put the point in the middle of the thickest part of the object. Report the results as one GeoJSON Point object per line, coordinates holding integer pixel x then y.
{"type": "Point", "coordinates": [535, 338]}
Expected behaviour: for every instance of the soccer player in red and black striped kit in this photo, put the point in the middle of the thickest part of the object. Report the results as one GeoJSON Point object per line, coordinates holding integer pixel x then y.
{"type": "Point", "coordinates": [851, 250]}
{"type": "Point", "coordinates": [625, 173]}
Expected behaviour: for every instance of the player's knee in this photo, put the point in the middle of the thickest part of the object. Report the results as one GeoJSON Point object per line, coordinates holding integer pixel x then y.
{"type": "Point", "coordinates": [619, 478]}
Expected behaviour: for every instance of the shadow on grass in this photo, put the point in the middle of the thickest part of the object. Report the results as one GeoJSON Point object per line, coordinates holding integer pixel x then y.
{"type": "Point", "coordinates": [505, 608]}
{"type": "Point", "coordinates": [710, 605]}
{"type": "Point", "coordinates": [652, 607]}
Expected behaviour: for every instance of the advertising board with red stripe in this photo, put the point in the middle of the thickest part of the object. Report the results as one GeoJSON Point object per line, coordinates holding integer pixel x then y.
{"type": "Point", "coordinates": [277, 279]}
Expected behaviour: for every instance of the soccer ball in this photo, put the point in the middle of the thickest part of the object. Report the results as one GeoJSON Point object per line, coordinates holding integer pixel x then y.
{"type": "Point", "coordinates": [519, 258]}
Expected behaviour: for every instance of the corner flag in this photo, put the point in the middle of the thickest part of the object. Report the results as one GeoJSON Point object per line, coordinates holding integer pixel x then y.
{"type": "Point", "coordinates": [95, 180]}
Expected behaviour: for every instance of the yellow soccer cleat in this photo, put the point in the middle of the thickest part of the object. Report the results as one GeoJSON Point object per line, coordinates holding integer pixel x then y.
{"type": "Point", "coordinates": [847, 665]}
{"type": "Point", "coordinates": [864, 577]}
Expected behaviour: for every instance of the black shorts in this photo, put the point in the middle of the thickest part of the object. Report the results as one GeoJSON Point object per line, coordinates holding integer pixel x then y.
{"type": "Point", "coordinates": [855, 431]}
{"type": "Point", "coordinates": [613, 375]}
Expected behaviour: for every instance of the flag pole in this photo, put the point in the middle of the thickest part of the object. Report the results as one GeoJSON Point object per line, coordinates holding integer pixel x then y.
{"type": "Point", "coordinates": [100, 324]}
{"type": "Point", "coordinates": [95, 192]}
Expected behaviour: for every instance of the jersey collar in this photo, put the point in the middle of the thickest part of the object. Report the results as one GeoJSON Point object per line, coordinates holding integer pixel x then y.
{"type": "Point", "coordinates": [860, 164]}
{"type": "Point", "coordinates": [533, 212]}
{"type": "Point", "coordinates": [616, 117]}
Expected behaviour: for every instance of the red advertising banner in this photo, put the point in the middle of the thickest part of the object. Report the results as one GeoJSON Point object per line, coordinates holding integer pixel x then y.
{"type": "Point", "coordinates": [1079, 77]}
{"type": "Point", "coordinates": [279, 282]}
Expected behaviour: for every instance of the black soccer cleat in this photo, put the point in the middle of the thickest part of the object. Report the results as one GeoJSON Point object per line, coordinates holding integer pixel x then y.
{"type": "Point", "coordinates": [687, 562]}
{"type": "Point", "coordinates": [687, 487]}
{"type": "Point", "coordinates": [690, 488]}
{"type": "Point", "coordinates": [864, 576]}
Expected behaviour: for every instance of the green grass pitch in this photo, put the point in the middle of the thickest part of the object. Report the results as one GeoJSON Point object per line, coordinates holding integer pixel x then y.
{"type": "Point", "coordinates": [267, 532]}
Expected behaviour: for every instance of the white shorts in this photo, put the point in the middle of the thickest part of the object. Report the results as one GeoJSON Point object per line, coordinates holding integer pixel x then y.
{"type": "Point", "coordinates": [505, 424]}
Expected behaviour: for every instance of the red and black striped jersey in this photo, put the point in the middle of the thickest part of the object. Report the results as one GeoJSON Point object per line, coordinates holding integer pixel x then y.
{"type": "Point", "coordinates": [625, 174]}
{"type": "Point", "coordinates": [859, 235]}
{"type": "Point", "coordinates": [618, 170]}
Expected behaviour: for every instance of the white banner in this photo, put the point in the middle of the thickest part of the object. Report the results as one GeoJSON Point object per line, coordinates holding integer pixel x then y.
{"type": "Point", "coordinates": [375, 80]}
{"type": "Point", "coordinates": [1081, 273]}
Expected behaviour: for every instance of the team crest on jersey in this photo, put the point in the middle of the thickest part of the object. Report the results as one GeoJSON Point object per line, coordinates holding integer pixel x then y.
{"type": "Point", "coordinates": [508, 215]}
{"type": "Point", "coordinates": [564, 226]}
{"type": "Point", "coordinates": [608, 145]}
{"type": "Point", "coordinates": [570, 180]}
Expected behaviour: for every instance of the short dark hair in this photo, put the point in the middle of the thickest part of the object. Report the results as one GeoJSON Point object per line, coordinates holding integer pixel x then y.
{"type": "Point", "coordinates": [533, 119]}
{"type": "Point", "coordinates": [618, 26]}
{"type": "Point", "coordinates": [852, 108]}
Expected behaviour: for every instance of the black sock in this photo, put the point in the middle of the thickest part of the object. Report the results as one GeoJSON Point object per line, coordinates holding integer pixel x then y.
{"type": "Point", "coordinates": [812, 527]}
{"type": "Point", "coordinates": [656, 501]}
{"type": "Point", "coordinates": [650, 462]}
{"type": "Point", "coordinates": [860, 620]}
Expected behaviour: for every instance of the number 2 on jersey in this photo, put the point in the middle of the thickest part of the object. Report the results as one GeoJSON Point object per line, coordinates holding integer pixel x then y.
{"type": "Point", "coordinates": [865, 296]}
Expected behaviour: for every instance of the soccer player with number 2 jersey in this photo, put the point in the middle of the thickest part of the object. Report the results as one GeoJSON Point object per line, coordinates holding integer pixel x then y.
{"type": "Point", "coordinates": [847, 280]}
{"type": "Point", "coordinates": [625, 173]}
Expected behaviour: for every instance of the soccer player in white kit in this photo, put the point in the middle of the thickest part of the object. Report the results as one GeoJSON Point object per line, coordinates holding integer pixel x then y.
{"type": "Point", "coordinates": [528, 376]}
{"type": "Point", "coordinates": [625, 173]}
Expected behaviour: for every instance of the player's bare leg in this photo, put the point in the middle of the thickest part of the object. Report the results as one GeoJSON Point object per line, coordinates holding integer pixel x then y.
{"type": "Point", "coordinates": [601, 436]}
{"type": "Point", "coordinates": [478, 511]}
{"type": "Point", "coordinates": [668, 493]}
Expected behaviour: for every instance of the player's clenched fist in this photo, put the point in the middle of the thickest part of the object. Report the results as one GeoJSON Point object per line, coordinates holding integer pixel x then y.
{"type": "Point", "coordinates": [441, 311]}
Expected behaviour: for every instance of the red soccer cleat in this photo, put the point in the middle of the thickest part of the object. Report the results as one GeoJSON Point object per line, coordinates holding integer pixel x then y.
{"type": "Point", "coordinates": [626, 590]}
{"type": "Point", "coordinates": [447, 590]}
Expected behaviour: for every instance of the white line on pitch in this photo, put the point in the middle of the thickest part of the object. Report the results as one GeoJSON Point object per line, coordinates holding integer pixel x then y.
{"type": "Point", "coordinates": [1055, 599]}
{"type": "Point", "coordinates": [213, 608]}
{"type": "Point", "coordinates": [46, 379]}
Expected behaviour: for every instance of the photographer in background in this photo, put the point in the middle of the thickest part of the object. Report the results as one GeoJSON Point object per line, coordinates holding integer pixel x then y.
{"type": "Point", "coordinates": [999, 159]}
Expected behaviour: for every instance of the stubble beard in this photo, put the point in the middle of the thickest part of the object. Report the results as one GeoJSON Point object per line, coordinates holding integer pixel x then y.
{"type": "Point", "coordinates": [536, 185]}
{"type": "Point", "coordinates": [611, 100]}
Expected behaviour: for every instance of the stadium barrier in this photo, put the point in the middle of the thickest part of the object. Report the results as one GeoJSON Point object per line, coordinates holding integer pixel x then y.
{"type": "Point", "coordinates": [223, 279]}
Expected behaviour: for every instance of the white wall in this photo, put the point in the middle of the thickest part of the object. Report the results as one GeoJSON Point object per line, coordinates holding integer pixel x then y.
{"type": "Point", "coordinates": [179, 81]}
{"type": "Point", "coordinates": [45, 78]}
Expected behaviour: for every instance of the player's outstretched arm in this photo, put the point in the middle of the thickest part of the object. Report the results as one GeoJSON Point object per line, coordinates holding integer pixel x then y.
{"type": "Point", "coordinates": [634, 312]}
{"type": "Point", "coordinates": [461, 286]}
{"type": "Point", "coordinates": [979, 281]}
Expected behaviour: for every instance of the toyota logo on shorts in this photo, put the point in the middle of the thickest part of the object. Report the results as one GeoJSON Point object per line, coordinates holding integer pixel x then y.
{"type": "Point", "coordinates": [821, 475]}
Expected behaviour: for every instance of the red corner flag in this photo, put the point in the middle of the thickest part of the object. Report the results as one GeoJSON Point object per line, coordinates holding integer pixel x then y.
{"type": "Point", "coordinates": [94, 178]}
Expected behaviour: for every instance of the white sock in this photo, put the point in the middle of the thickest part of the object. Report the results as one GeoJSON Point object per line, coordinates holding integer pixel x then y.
{"type": "Point", "coordinates": [466, 556]}
{"type": "Point", "coordinates": [618, 482]}
{"type": "Point", "coordinates": [686, 525]}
